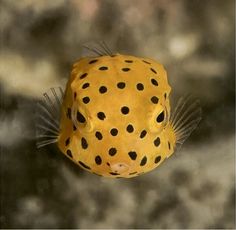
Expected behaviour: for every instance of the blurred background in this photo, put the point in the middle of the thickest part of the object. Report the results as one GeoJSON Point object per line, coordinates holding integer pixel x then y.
{"type": "Point", "coordinates": [40, 40]}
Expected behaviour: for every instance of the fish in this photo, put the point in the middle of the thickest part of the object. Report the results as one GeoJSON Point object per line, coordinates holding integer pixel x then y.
{"type": "Point", "coordinates": [114, 118]}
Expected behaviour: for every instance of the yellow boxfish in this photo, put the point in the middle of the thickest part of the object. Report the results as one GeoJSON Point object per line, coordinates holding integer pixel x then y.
{"type": "Point", "coordinates": [114, 117]}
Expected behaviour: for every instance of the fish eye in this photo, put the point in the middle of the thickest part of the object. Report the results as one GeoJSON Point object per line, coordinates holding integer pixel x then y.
{"type": "Point", "coordinates": [160, 117]}
{"type": "Point", "coordinates": [80, 117]}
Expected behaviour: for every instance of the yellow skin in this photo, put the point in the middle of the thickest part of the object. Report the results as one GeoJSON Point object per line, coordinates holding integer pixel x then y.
{"type": "Point", "coordinates": [93, 153]}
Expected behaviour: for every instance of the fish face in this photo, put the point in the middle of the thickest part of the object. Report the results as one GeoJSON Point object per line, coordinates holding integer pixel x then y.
{"type": "Point", "coordinates": [119, 108]}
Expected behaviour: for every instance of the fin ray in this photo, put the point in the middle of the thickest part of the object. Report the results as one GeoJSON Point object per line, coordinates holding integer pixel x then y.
{"type": "Point", "coordinates": [48, 113]}
{"type": "Point", "coordinates": [185, 117]}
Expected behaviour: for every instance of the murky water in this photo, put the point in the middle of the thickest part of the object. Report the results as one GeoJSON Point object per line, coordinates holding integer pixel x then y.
{"type": "Point", "coordinates": [193, 39]}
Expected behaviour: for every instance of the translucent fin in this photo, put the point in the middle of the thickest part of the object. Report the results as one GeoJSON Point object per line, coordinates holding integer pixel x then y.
{"type": "Point", "coordinates": [185, 118]}
{"type": "Point", "coordinates": [99, 48]}
{"type": "Point", "coordinates": [48, 117]}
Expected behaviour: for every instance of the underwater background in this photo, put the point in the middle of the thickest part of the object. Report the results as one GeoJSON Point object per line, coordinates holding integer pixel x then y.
{"type": "Point", "coordinates": [194, 40]}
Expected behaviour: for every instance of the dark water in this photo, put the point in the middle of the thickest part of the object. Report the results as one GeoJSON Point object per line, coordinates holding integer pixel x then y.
{"type": "Point", "coordinates": [40, 40]}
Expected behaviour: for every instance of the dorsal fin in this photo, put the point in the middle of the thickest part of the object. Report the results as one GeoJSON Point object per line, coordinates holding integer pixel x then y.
{"type": "Point", "coordinates": [99, 48]}
{"type": "Point", "coordinates": [48, 113]}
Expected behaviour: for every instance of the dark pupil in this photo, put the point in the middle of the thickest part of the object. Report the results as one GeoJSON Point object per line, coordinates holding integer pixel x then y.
{"type": "Point", "coordinates": [160, 117]}
{"type": "Point", "coordinates": [80, 117]}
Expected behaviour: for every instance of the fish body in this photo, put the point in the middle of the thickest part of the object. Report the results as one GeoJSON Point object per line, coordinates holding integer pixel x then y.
{"type": "Point", "coordinates": [115, 118]}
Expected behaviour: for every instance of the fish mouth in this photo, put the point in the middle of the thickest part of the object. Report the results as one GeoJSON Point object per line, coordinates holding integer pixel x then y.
{"type": "Point", "coordinates": [119, 167]}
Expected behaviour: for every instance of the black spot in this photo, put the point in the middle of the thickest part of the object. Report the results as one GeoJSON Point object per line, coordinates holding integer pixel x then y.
{"type": "Point", "coordinates": [128, 61]}
{"type": "Point", "coordinates": [68, 114]}
{"type": "Point", "coordinates": [85, 85]}
{"type": "Point", "coordinates": [108, 164]}
{"type": "Point", "coordinates": [69, 153]}
{"type": "Point", "coordinates": [154, 100]}
{"type": "Point", "coordinates": [84, 165]}
{"type": "Point", "coordinates": [112, 152]}
{"type": "Point", "coordinates": [75, 95]}
{"type": "Point", "coordinates": [114, 131]}
{"type": "Point", "coordinates": [143, 161]}
{"type": "Point", "coordinates": [93, 61]}
{"type": "Point", "coordinates": [165, 95]}
{"type": "Point", "coordinates": [146, 62]}
{"type": "Point", "coordinates": [98, 160]}
{"type": "Point", "coordinates": [125, 110]}
{"type": "Point", "coordinates": [132, 173]}
{"type": "Point", "coordinates": [133, 155]}
{"type": "Point", "coordinates": [130, 128]}
{"type": "Point", "coordinates": [103, 68]}
{"type": "Point", "coordinates": [157, 142]}
{"type": "Point", "coordinates": [140, 86]}
{"type": "Point", "coordinates": [83, 75]}
{"type": "Point", "coordinates": [160, 117]}
{"type": "Point", "coordinates": [102, 89]}
{"type": "Point", "coordinates": [143, 134]}
{"type": "Point", "coordinates": [86, 100]}
{"type": "Point", "coordinates": [157, 159]}
{"type": "Point", "coordinates": [101, 115]}
{"type": "Point", "coordinates": [113, 173]}
{"type": "Point", "coordinates": [67, 142]}
{"type": "Point", "coordinates": [125, 69]}
{"type": "Point", "coordinates": [80, 117]}
{"type": "Point", "coordinates": [84, 143]}
{"type": "Point", "coordinates": [98, 135]}
{"type": "Point", "coordinates": [74, 128]}
{"type": "Point", "coordinates": [153, 70]}
{"type": "Point", "coordinates": [169, 145]}
{"type": "Point", "coordinates": [154, 82]}
{"type": "Point", "coordinates": [121, 85]}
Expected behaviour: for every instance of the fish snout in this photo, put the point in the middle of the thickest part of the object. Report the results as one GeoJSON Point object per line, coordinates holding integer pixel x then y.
{"type": "Point", "coordinates": [119, 167]}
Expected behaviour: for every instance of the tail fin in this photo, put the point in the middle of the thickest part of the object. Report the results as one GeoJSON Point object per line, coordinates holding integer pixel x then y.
{"type": "Point", "coordinates": [48, 113]}
{"type": "Point", "coordinates": [185, 118]}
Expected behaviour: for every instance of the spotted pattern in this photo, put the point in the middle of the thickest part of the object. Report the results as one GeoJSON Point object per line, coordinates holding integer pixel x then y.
{"type": "Point", "coordinates": [112, 151]}
{"type": "Point", "coordinates": [154, 100]}
{"type": "Point", "coordinates": [101, 115]}
{"type": "Point", "coordinates": [103, 89]}
{"type": "Point", "coordinates": [132, 155]}
{"type": "Point", "coordinates": [69, 153]}
{"type": "Point", "coordinates": [103, 68]}
{"type": "Point", "coordinates": [84, 165]}
{"type": "Point", "coordinates": [86, 100]}
{"type": "Point", "coordinates": [93, 61]}
{"type": "Point", "coordinates": [84, 143]}
{"type": "Point", "coordinates": [143, 161]}
{"type": "Point", "coordinates": [125, 110]}
{"type": "Point", "coordinates": [121, 85]}
{"type": "Point", "coordinates": [67, 142]}
{"type": "Point", "coordinates": [98, 135]}
{"type": "Point", "coordinates": [84, 75]}
{"type": "Point", "coordinates": [139, 86]}
{"type": "Point", "coordinates": [154, 82]}
{"type": "Point", "coordinates": [114, 132]}
{"type": "Point", "coordinates": [130, 128]}
{"type": "Point", "coordinates": [157, 159]}
{"type": "Point", "coordinates": [157, 141]}
{"type": "Point", "coordinates": [85, 85]}
{"type": "Point", "coordinates": [98, 160]}
{"type": "Point", "coordinates": [125, 69]}
{"type": "Point", "coordinates": [143, 134]}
